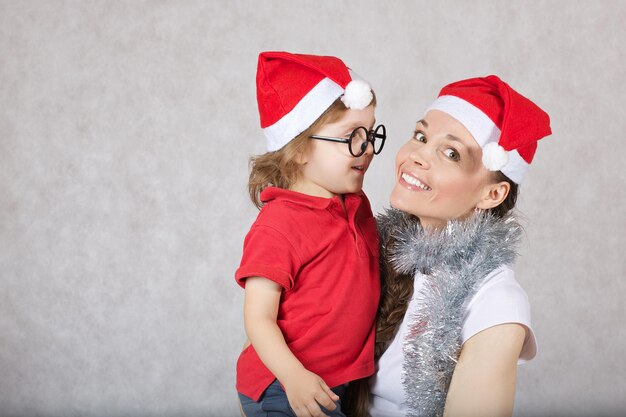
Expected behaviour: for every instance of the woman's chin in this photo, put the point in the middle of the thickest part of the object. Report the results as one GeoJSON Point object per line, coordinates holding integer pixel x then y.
{"type": "Point", "coordinates": [400, 202]}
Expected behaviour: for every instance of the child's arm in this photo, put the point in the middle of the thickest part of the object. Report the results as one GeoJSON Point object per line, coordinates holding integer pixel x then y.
{"type": "Point", "coordinates": [304, 389]}
{"type": "Point", "coordinates": [483, 382]}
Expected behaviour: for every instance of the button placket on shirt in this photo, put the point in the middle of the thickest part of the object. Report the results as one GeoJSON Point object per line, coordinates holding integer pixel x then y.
{"type": "Point", "coordinates": [352, 207]}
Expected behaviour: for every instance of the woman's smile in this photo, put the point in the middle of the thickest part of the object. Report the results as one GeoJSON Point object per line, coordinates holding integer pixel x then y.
{"type": "Point", "coordinates": [412, 182]}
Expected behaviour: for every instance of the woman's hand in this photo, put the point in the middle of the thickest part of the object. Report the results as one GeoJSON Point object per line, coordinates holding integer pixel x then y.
{"type": "Point", "coordinates": [483, 383]}
{"type": "Point", "coordinates": [306, 392]}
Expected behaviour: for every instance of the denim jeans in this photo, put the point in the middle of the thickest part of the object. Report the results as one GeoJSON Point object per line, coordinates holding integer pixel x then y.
{"type": "Point", "coordinates": [274, 403]}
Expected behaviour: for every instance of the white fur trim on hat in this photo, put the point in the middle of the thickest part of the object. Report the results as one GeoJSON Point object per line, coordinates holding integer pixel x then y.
{"type": "Point", "coordinates": [478, 123]}
{"type": "Point", "coordinates": [494, 157]}
{"type": "Point", "coordinates": [307, 111]}
{"type": "Point", "coordinates": [516, 168]}
{"type": "Point", "coordinates": [358, 95]}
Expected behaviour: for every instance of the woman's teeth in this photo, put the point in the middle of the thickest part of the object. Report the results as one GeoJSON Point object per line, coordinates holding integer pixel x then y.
{"type": "Point", "coordinates": [414, 181]}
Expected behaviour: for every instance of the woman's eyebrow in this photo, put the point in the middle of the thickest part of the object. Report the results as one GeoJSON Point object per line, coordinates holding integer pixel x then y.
{"type": "Point", "coordinates": [456, 139]}
{"type": "Point", "coordinates": [422, 121]}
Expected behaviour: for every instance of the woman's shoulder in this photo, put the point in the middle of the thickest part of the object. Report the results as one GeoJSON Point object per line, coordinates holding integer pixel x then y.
{"type": "Point", "coordinates": [499, 291]}
{"type": "Point", "coordinates": [500, 299]}
{"type": "Point", "coordinates": [500, 281]}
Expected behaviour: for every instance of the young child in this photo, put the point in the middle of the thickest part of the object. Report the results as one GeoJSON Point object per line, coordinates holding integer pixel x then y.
{"type": "Point", "coordinates": [310, 260]}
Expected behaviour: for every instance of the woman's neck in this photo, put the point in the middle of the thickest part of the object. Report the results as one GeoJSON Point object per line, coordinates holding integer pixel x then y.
{"type": "Point", "coordinates": [433, 224]}
{"type": "Point", "coordinates": [438, 224]}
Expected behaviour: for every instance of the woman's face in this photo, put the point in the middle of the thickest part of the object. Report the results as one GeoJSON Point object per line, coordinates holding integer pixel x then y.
{"type": "Point", "coordinates": [439, 172]}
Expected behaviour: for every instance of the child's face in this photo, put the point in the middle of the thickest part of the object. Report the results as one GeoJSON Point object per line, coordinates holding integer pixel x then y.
{"type": "Point", "coordinates": [328, 168]}
{"type": "Point", "coordinates": [439, 173]}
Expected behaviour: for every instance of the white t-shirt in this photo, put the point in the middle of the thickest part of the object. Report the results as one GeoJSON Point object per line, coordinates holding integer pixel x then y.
{"type": "Point", "coordinates": [499, 299]}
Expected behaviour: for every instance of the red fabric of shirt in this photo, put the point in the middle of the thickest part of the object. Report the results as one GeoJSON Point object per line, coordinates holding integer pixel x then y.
{"type": "Point", "coordinates": [326, 260]}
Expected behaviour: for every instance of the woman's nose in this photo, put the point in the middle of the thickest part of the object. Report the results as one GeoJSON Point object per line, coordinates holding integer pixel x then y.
{"type": "Point", "coordinates": [417, 156]}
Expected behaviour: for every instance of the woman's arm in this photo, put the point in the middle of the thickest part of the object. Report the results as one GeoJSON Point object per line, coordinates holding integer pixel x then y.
{"type": "Point", "coordinates": [483, 382]}
{"type": "Point", "coordinates": [304, 389]}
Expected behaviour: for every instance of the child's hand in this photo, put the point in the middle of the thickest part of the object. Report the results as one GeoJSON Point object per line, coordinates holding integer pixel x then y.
{"type": "Point", "coordinates": [306, 392]}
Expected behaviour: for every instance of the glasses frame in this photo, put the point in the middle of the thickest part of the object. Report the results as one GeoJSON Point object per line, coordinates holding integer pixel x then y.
{"type": "Point", "coordinates": [372, 135]}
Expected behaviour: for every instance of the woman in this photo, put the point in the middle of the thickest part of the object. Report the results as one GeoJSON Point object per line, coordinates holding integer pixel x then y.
{"type": "Point", "coordinates": [453, 322]}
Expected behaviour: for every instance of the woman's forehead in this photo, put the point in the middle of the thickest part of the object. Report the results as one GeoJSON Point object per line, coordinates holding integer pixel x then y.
{"type": "Point", "coordinates": [441, 123]}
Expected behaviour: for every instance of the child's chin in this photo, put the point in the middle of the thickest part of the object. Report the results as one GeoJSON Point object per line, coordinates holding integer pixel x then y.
{"type": "Point", "coordinates": [353, 189]}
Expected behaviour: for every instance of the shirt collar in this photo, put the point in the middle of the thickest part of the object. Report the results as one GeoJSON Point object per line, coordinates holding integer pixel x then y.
{"type": "Point", "coordinates": [274, 193]}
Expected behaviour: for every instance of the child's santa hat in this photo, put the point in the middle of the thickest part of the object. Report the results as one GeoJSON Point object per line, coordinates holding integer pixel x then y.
{"type": "Point", "coordinates": [505, 124]}
{"type": "Point", "coordinates": [294, 90]}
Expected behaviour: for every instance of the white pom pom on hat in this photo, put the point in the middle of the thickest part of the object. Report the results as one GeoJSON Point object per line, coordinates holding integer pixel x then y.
{"type": "Point", "coordinates": [505, 124]}
{"type": "Point", "coordinates": [494, 157]}
{"type": "Point", "coordinates": [358, 95]}
{"type": "Point", "coordinates": [293, 90]}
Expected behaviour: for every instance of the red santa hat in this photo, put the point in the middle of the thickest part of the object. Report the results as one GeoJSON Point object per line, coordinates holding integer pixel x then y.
{"type": "Point", "coordinates": [504, 123]}
{"type": "Point", "coordinates": [293, 91]}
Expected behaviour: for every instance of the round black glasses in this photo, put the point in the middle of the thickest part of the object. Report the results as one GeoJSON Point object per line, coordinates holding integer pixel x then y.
{"type": "Point", "coordinates": [360, 138]}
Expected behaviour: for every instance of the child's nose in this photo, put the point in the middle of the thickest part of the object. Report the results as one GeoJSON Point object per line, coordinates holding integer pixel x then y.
{"type": "Point", "coordinates": [369, 148]}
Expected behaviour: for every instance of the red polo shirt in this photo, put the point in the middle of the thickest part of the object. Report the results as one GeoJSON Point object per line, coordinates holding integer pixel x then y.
{"type": "Point", "coordinates": [326, 260]}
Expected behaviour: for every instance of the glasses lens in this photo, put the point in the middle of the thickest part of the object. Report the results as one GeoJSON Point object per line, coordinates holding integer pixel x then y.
{"type": "Point", "coordinates": [358, 141]}
{"type": "Point", "coordinates": [380, 134]}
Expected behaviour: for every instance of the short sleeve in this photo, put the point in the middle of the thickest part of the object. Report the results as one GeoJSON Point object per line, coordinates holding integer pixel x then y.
{"type": "Point", "coordinates": [499, 300]}
{"type": "Point", "coordinates": [267, 253]}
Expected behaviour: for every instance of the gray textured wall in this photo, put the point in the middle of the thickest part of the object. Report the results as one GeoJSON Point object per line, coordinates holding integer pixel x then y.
{"type": "Point", "coordinates": [125, 128]}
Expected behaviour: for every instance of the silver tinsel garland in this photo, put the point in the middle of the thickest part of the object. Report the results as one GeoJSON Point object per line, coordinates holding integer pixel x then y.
{"type": "Point", "coordinates": [455, 260]}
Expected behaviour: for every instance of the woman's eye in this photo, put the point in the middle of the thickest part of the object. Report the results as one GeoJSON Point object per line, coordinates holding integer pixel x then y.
{"type": "Point", "coordinates": [452, 154]}
{"type": "Point", "coordinates": [419, 136]}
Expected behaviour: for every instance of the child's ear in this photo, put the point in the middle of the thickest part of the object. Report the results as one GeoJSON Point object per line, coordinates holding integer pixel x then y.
{"type": "Point", "coordinates": [494, 195]}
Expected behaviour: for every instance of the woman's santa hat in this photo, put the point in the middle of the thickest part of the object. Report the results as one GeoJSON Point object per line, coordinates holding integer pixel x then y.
{"type": "Point", "coordinates": [293, 91]}
{"type": "Point", "coordinates": [504, 123]}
